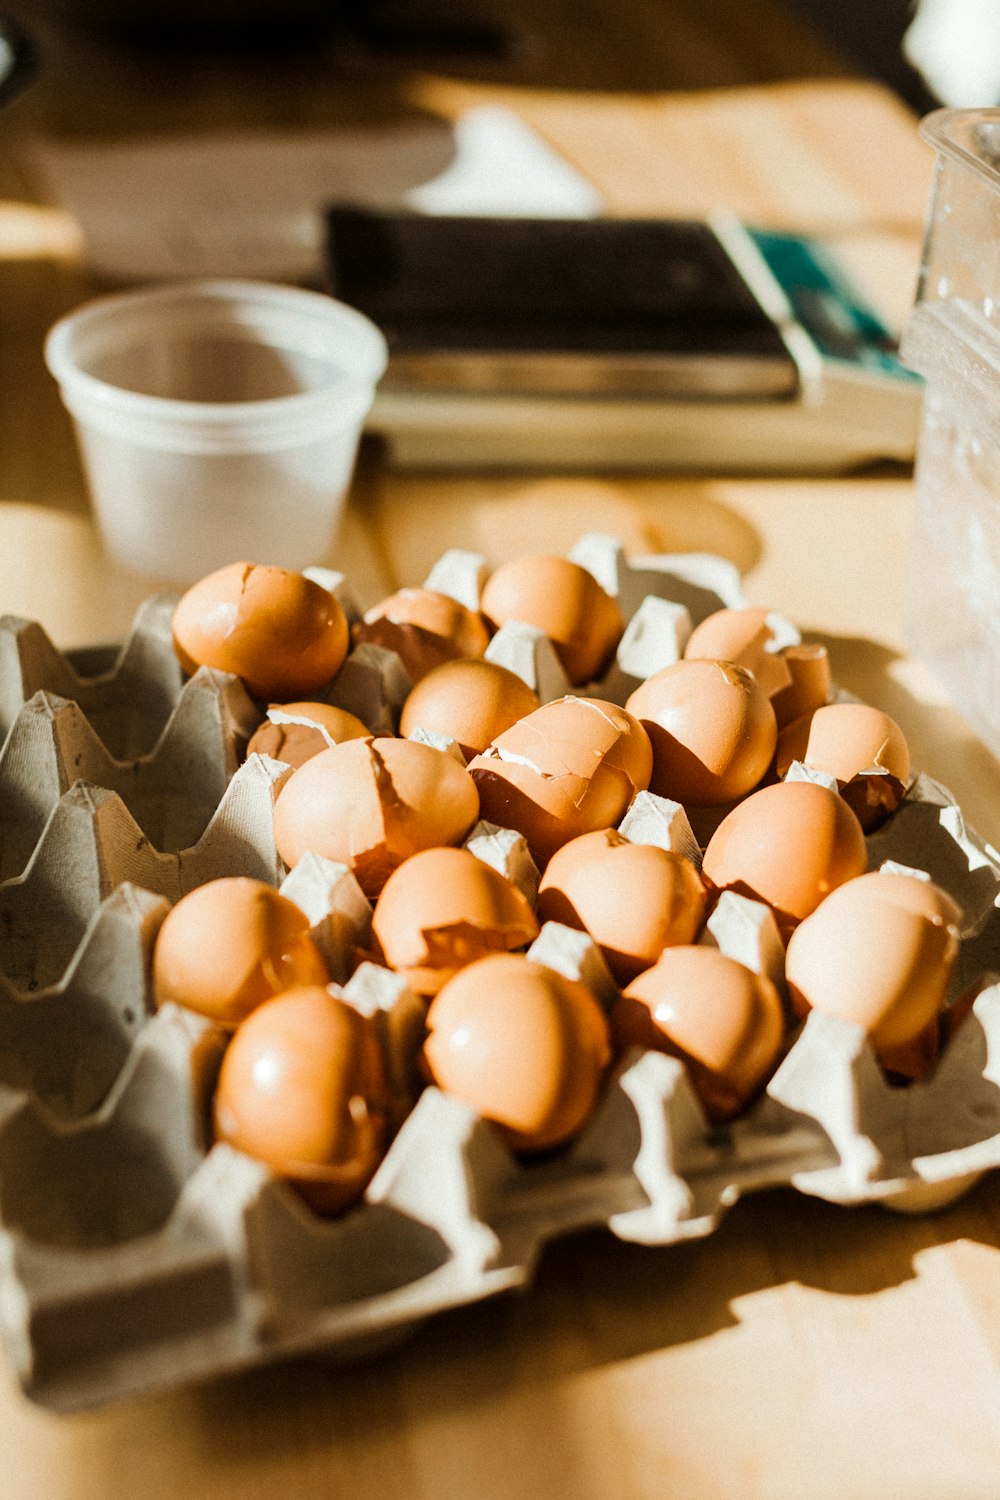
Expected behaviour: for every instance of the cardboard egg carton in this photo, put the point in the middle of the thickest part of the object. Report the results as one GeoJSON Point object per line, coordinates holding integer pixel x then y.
{"type": "Point", "coordinates": [136, 1253]}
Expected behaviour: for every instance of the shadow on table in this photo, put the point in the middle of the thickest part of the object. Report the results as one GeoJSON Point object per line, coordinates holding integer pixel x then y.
{"type": "Point", "coordinates": [595, 1301]}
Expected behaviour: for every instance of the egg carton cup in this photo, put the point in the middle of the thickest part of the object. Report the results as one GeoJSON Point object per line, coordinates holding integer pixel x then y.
{"type": "Point", "coordinates": [127, 694]}
{"type": "Point", "coordinates": [137, 1254]}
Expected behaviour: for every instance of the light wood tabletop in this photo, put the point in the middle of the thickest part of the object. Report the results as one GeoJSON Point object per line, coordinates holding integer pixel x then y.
{"type": "Point", "coordinates": [800, 1349]}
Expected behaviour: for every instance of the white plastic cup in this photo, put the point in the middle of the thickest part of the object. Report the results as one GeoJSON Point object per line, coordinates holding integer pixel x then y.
{"type": "Point", "coordinates": [217, 420]}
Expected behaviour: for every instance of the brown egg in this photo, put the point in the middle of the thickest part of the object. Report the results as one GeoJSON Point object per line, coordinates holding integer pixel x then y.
{"type": "Point", "coordinates": [444, 908]}
{"type": "Point", "coordinates": [231, 944]}
{"type": "Point", "coordinates": [847, 740]}
{"type": "Point", "coordinates": [524, 1046]}
{"type": "Point", "coordinates": [809, 688]}
{"type": "Point", "coordinates": [633, 899]}
{"type": "Point", "coordinates": [295, 732]}
{"type": "Point", "coordinates": [788, 845]}
{"type": "Point", "coordinates": [372, 803]}
{"type": "Point", "coordinates": [471, 701]}
{"type": "Point", "coordinates": [565, 601]}
{"type": "Point", "coordinates": [302, 1088]}
{"type": "Point", "coordinates": [712, 730]}
{"type": "Point", "coordinates": [282, 634]}
{"type": "Point", "coordinates": [720, 1018]}
{"type": "Point", "coordinates": [424, 628]}
{"type": "Point", "coordinates": [742, 636]}
{"type": "Point", "coordinates": [573, 765]}
{"type": "Point", "coordinates": [880, 952]}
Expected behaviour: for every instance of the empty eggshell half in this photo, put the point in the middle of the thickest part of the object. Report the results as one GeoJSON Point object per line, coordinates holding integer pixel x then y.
{"type": "Point", "coordinates": [425, 628]}
{"type": "Point", "coordinates": [281, 633]}
{"type": "Point", "coordinates": [302, 1088]}
{"type": "Point", "coordinates": [572, 766]}
{"type": "Point", "coordinates": [880, 951]}
{"type": "Point", "coordinates": [720, 1018]}
{"type": "Point", "coordinates": [444, 908]}
{"type": "Point", "coordinates": [229, 945]}
{"type": "Point", "coordinates": [861, 746]}
{"type": "Point", "coordinates": [788, 845]}
{"type": "Point", "coordinates": [795, 677]}
{"type": "Point", "coordinates": [524, 1046]}
{"type": "Point", "coordinates": [470, 701]}
{"type": "Point", "coordinates": [295, 732]}
{"type": "Point", "coordinates": [712, 729]}
{"type": "Point", "coordinates": [372, 803]}
{"type": "Point", "coordinates": [744, 636]}
{"type": "Point", "coordinates": [633, 899]}
{"type": "Point", "coordinates": [563, 599]}
{"type": "Point", "coordinates": [809, 686]}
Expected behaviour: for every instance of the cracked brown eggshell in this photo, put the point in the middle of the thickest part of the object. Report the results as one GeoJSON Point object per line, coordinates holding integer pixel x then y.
{"type": "Point", "coordinates": [561, 598]}
{"type": "Point", "coordinates": [796, 678]}
{"type": "Point", "coordinates": [848, 740]}
{"type": "Point", "coordinates": [742, 635]}
{"type": "Point", "coordinates": [302, 1088]}
{"type": "Point", "coordinates": [425, 628]}
{"type": "Point", "coordinates": [880, 952]}
{"type": "Point", "coordinates": [633, 899]}
{"type": "Point", "coordinates": [470, 701]}
{"type": "Point", "coordinates": [572, 766]}
{"type": "Point", "coordinates": [442, 910]}
{"type": "Point", "coordinates": [229, 945]}
{"type": "Point", "coordinates": [712, 729]}
{"type": "Point", "coordinates": [723, 1021]}
{"type": "Point", "coordinates": [282, 634]}
{"type": "Point", "coordinates": [372, 803]}
{"type": "Point", "coordinates": [788, 845]}
{"type": "Point", "coordinates": [295, 732]}
{"type": "Point", "coordinates": [524, 1046]}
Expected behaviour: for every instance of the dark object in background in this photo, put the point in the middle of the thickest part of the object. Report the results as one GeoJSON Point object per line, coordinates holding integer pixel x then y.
{"type": "Point", "coordinates": [638, 306]}
{"type": "Point", "coordinates": [18, 60]}
{"type": "Point", "coordinates": [870, 33]}
{"type": "Point", "coordinates": [418, 27]}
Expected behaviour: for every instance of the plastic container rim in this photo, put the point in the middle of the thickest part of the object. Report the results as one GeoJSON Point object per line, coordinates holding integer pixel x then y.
{"type": "Point", "coordinates": [937, 129]}
{"type": "Point", "coordinates": [277, 410]}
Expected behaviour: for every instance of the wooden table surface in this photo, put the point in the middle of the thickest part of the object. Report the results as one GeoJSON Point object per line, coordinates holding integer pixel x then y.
{"type": "Point", "coordinates": [801, 1349]}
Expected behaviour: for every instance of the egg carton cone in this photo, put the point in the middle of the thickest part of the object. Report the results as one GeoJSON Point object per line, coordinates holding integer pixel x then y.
{"type": "Point", "coordinates": [127, 694]}
{"type": "Point", "coordinates": [91, 844]}
{"type": "Point", "coordinates": [172, 791]}
{"type": "Point", "coordinates": [135, 1253]}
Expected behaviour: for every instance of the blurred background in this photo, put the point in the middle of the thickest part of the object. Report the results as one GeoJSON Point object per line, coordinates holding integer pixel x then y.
{"type": "Point", "coordinates": [639, 45]}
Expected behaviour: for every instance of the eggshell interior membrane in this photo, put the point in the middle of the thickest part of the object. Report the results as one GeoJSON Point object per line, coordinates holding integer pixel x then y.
{"type": "Point", "coordinates": [720, 1018]}
{"type": "Point", "coordinates": [470, 701]}
{"type": "Point", "coordinates": [295, 732]}
{"type": "Point", "coordinates": [302, 1088]}
{"type": "Point", "coordinates": [282, 634]}
{"type": "Point", "coordinates": [633, 899]}
{"type": "Point", "coordinates": [229, 945]}
{"type": "Point", "coordinates": [712, 729]}
{"type": "Point", "coordinates": [880, 952]}
{"type": "Point", "coordinates": [847, 740]}
{"type": "Point", "coordinates": [524, 1046]}
{"type": "Point", "coordinates": [445, 908]}
{"type": "Point", "coordinates": [425, 628]}
{"type": "Point", "coordinates": [789, 845]}
{"type": "Point", "coordinates": [561, 598]}
{"type": "Point", "coordinates": [372, 803]}
{"type": "Point", "coordinates": [572, 766]}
